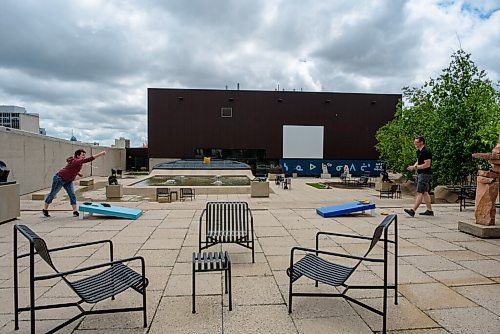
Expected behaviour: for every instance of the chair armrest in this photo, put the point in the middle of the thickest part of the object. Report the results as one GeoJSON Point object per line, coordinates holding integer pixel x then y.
{"type": "Point", "coordinates": [96, 266]}
{"type": "Point", "coordinates": [56, 249]}
{"type": "Point", "coordinates": [318, 251]}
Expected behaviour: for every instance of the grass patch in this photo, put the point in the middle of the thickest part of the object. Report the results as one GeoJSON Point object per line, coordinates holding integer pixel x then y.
{"type": "Point", "coordinates": [318, 185]}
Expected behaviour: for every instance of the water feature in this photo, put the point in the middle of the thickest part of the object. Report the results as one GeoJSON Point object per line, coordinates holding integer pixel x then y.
{"type": "Point", "coordinates": [194, 180]}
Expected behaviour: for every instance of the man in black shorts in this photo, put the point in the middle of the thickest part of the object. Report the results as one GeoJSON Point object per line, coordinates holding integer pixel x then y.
{"type": "Point", "coordinates": [424, 175]}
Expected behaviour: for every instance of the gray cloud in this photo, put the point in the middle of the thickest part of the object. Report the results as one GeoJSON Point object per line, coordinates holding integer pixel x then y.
{"type": "Point", "coordinates": [85, 66]}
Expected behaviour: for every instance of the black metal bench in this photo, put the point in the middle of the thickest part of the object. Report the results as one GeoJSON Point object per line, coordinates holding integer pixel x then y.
{"type": "Point", "coordinates": [207, 262]}
{"type": "Point", "coordinates": [226, 222]}
{"type": "Point", "coordinates": [114, 279]}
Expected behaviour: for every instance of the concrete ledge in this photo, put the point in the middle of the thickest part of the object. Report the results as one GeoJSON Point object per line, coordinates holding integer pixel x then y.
{"type": "Point", "coordinates": [326, 176]}
{"type": "Point", "coordinates": [89, 182]}
{"type": "Point", "coordinates": [481, 231]}
{"type": "Point", "coordinates": [38, 197]}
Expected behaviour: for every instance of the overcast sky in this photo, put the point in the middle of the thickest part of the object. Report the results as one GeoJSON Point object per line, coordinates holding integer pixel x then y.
{"type": "Point", "coordinates": [85, 65]}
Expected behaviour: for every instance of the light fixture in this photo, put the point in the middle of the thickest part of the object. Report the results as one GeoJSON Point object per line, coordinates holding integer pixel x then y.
{"type": "Point", "coordinates": [180, 98]}
{"type": "Point", "coordinates": [230, 99]}
{"type": "Point", "coordinates": [373, 102]}
{"type": "Point", "coordinates": [328, 101]}
{"type": "Point", "coordinates": [280, 100]}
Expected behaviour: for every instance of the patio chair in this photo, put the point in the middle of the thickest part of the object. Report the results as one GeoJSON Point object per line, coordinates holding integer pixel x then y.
{"type": "Point", "coordinates": [187, 193]}
{"type": "Point", "coordinates": [320, 269]}
{"type": "Point", "coordinates": [163, 193]}
{"type": "Point", "coordinates": [393, 192]}
{"type": "Point", "coordinates": [94, 287]}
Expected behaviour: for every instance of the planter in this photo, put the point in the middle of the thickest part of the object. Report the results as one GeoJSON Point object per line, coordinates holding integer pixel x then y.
{"type": "Point", "coordinates": [294, 175]}
{"type": "Point", "coordinates": [272, 176]}
{"type": "Point", "coordinates": [259, 189]}
{"type": "Point", "coordinates": [114, 191]}
{"type": "Point", "coordinates": [10, 201]}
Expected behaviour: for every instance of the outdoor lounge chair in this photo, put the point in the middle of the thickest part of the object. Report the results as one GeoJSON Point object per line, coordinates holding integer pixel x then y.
{"type": "Point", "coordinates": [226, 222]}
{"type": "Point", "coordinates": [92, 288]}
{"type": "Point", "coordinates": [393, 192]}
{"type": "Point", "coordinates": [320, 269]}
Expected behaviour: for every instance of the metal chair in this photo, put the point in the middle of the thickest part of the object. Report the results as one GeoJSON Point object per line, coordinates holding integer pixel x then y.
{"type": "Point", "coordinates": [321, 270]}
{"type": "Point", "coordinates": [114, 279]}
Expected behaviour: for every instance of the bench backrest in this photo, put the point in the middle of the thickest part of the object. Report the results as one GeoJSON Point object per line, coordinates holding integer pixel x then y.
{"type": "Point", "coordinates": [228, 217]}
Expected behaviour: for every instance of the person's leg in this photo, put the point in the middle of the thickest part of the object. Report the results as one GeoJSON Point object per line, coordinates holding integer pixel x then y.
{"type": "Point", "coordinates": [72, 197]}
{"type": "Point", "coordinates": [427, 201]}
{"type": "Point", "coordinates": [418, 200]}
{"type": "Point", "coordinates": [57, 184]}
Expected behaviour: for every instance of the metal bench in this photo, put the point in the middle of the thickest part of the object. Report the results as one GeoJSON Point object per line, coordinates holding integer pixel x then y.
{"type": "Point", "coordinates": [207, 262]}
{"type": "Point", "coordinates": [116, 277]}
{"type": "Point", "coordinates": [226, 222]}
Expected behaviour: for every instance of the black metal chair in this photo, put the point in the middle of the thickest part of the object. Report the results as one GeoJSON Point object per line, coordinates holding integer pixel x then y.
{"type": "Point", "coordinates": [116, 278]}
{"type": "Point", "coordinates": [226, 222]}
{"type": "Point", "coordinates": [393, 192]}
{"type": "Point", "coordinates": [467, 196]}
{"type": "Point", "coordinates": [321, 270]}
{"type": "Point", "coordinates": [163, 193]}
{"type": "Point", "coordinates": [187, 193]}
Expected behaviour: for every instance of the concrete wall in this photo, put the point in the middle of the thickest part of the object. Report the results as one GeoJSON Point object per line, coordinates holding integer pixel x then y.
{"type": "Point", "coordinates": [33, 159]}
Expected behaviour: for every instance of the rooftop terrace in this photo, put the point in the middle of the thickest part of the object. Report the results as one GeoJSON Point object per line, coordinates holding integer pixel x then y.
{"type": "Point", "coordinates": [449, 281]}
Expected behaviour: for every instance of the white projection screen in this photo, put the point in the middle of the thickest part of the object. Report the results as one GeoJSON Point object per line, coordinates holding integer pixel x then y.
{"type": "Point", "coordinates": [302, 142]}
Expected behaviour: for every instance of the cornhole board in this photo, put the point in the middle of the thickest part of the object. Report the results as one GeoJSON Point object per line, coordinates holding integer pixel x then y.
{"type": "Point", "coordinates": [344, 209]}
{"type": "Point", "coordinates": [109, 210]}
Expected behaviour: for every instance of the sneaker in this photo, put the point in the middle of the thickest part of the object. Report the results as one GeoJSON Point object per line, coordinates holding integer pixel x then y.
{"type": "Point", "coordinates": [76, 213]}
{"type": "Point", "coordinates": [410, 212]}
{"type": "Point", "coordinates": [45, 213]}
{"type": "Point", "coordinates": [427, 213]}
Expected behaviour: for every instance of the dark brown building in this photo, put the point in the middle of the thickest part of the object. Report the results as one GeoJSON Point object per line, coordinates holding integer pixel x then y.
{"type": "Point", "coordinates": [248, 125]}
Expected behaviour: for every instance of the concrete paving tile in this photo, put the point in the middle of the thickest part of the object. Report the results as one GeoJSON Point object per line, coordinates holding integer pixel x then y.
{"type": "Point", "coordinates": [404, 316]}
{"type": "Point", "coordinates": [133, 231]}
{"type": "Point", "coordinates": [470, 320]}
{"type": "Point", "coordinates": [255, 291]}
{"type": "Point", "coordinates": [436, 244]}
{"type": "Point", "coordinates": [406, 274]}
{"type": "Point", "coordinates": [157, 276]}
{"type": "Point", "coordinates": [174, 316]}
{"type": "Point", "coordinates": [461, 255]}
{"type": "Point", "coordinates": [169, 233]}
{"type": "Point", "coordinates": [159, 257]}
{"type": "Point", "coordinates": [182, 268]}
{"type": "Point", "coordinates": [206, 284]}
{"type": "Point", "coordinates": [481, 247]}
{"type": "Point", "coordinates": [258, 319]}
{"type": "Point", "coordinates": [433, 296]}
{"type": "Point", "coordinates": [271, 231]}
{"type": "Point", "coordinates": [432, 263]}
{"type": "Point", "coordinates": [139, 239]}
{"type": "Point", "coordinates": [459, 277]}
{"type": "Point", "coordinates": [163, 244]}
{"type": "Point", "coordinates": [488, 268]}
{"type": "Point", "coordinates": [452, 236]}
{"type": "Point", "coordinates": [334, 325]}
{"type": "Point", "coordinates": [7, 298]}
{"type": "Point", "coordinates": [251, 269]}
{"type": "Point", "coordinates": [487, 296]}
{"type": "Point", "coordinates": [42, 326]}
{"type": "Point", "coordinates": [175, 223]}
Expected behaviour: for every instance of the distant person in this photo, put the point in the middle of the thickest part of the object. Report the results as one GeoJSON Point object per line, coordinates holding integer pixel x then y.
{"type": "Point", "coordinates": [65, 177]}
{"type": "Point", "coordinates": [424, 175]}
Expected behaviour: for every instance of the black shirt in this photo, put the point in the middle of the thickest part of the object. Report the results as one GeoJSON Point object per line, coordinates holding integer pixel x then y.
{"type": "Point", "coordinates": [424, 154]}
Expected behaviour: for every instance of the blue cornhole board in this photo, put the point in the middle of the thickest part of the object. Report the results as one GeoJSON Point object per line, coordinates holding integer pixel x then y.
{"type": "Point", "coordinates": [344, 209]}
{"type": "Point", "coordinates": [112, 210]}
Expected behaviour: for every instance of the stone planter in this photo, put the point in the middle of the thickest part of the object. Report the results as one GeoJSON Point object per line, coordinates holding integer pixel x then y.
{"type": "Point", "coordinates": [114, 191]}
{"type": "Point", "coordinates": [294, 175]}
{"type": "Point", "coordinates": [9, 201]}
{"type": "Point", "coordinates": [259, 189]}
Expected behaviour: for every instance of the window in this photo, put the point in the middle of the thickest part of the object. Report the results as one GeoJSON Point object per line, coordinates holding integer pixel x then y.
{"type": "Point", "coordinates": [226, 112]}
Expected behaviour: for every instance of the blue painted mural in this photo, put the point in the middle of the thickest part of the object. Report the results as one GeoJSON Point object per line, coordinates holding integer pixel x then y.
{"type": "Point", "coordinates": [313, 167]}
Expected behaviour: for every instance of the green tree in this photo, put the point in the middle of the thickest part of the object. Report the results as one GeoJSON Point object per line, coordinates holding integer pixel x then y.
{"type": "Point", "coordinates": [458, 113]}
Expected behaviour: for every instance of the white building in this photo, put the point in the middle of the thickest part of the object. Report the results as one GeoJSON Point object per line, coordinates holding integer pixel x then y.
{"type": "Point", "coordinates": [121, 143]}
{"type": "Point", "coordinates": [17, 118]}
